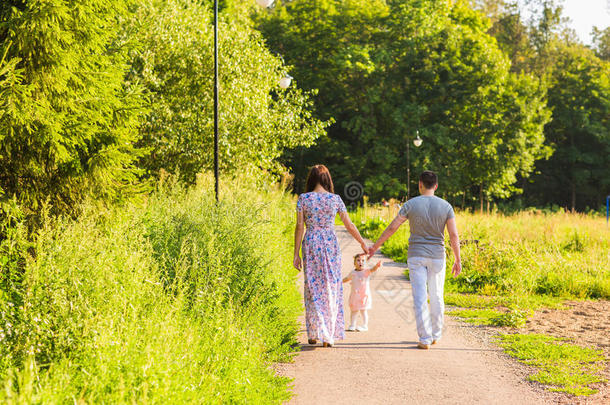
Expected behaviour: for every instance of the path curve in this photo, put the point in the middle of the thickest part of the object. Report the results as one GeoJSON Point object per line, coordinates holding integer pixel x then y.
{"type": "Point", "coordinates": [383, 365]}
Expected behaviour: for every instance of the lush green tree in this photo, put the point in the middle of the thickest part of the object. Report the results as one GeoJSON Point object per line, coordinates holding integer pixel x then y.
{"type": "Point", "coordinates": [576, 176]}
{"type": "Point", "coordinates": [174, 61]}
{"type": "Point", "coordinates": [601, 42]}
{"type": "Point", "coordinates": [68, 120]}
{"type": "Point", "coordinates": [408, 66]}
{"type": "Point", "coordinates": [512, 35]}
{"type": "Point", "coordinates": [331, 45]}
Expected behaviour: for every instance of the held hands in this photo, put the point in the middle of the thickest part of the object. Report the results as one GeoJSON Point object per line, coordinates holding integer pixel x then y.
{"type": "Point", "coordinates": [457, 269]}
{"type": "Point", "coordinates": [297, 263]}
{"type": "Point", "coordinates": [371, 251]}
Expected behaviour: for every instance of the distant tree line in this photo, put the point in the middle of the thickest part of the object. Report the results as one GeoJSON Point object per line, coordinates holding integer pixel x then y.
{"type": "Point", "coordinates": [509, 109]}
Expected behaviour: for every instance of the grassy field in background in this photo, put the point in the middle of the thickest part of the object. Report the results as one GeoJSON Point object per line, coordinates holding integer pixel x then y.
{"type": "Point", "coordinates": [513, 265]}
{"type": "Point", "coordinates": [527, 256]}
{"type": "Point", "coordinates": [161, 301]}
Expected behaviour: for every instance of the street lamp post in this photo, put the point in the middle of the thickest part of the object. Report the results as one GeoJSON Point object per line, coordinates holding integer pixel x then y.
{"type": "Point", "coordinates": [216, 99]}
{"type": "Point", "coordinates": [284, 84]}
{"type": "Point", "coordinates": [417, 142]}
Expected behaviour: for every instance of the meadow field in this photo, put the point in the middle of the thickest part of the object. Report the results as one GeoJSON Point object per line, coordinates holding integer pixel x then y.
{"type": "Point", "coordinates": [530, 255]}
{"type": "Point", "coordinates": [515, 265]}
{"type": "Point", "coordinates": [163, 300]}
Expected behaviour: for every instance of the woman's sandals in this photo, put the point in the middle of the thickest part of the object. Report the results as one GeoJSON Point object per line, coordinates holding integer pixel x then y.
{"type": "Point", "coordinates": [314, 341]}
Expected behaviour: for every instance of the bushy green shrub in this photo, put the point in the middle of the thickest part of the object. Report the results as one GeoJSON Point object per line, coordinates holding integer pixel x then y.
{"type": "Point", "coordinates": [172, 300]}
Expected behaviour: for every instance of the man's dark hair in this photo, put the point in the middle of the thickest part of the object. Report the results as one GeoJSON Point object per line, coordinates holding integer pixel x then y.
{"type": "Point", "coordinates": [429, 179]}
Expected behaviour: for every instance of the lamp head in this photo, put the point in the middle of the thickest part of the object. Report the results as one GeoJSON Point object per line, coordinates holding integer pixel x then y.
{"type": "Point", "coordinates": [264, 3]}
{"type": "Point", "coordinates": [417, 141]}
{"type": "Point", "coordinates": [285, 81]}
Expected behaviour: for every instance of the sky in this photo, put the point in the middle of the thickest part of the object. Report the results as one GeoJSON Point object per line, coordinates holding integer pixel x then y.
{"type": "Point", "coordinates": [584, 14]}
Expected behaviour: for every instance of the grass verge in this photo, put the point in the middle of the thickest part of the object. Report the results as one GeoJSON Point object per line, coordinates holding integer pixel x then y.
{"type": "Point", "coordinates": [562, 366]}
{"type": "Point", "coordinates": [176, 299]}
{"type": "Point", "coordinates": [490, 317]}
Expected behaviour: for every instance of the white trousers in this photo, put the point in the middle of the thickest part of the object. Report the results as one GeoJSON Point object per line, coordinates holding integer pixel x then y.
{"type": "Point", "coordinates": [428, 276]}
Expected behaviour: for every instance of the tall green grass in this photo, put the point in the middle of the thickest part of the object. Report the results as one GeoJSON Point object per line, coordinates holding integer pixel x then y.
{"type": "Point", "coordinates": [171, 300]}
{"type": "Point", "coordinates": [527, 254]}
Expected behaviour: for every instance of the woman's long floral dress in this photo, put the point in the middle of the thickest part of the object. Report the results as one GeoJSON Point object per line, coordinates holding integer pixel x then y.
{"type": "Point", "coordinates": [322, 267]}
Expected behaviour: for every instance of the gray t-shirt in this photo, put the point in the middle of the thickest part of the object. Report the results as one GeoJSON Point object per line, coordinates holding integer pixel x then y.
{"type": "Point", "coordinates": [427, 217]}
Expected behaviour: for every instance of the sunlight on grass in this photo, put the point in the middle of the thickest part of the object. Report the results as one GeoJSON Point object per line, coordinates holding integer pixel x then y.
{"type": "Point", "coordinates": [560, 255]}
{"type": "Point", "coordinates": [493, 301]}
{"type": "Point", "coordinates": [162, 301]}
{"type": "Point", "coordinates": [515, 318]}
{"type": "Point", "coordinates": [563, 366]}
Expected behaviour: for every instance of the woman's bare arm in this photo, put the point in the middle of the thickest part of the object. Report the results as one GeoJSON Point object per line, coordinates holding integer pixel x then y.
{"type": "Point", "coordinates": [298, 239]}
{"type": "Point", "coordinates": [351, 228]}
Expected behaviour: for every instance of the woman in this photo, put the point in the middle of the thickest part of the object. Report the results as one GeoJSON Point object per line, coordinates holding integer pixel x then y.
{"type": "Point", "coordinates": [317, 208]}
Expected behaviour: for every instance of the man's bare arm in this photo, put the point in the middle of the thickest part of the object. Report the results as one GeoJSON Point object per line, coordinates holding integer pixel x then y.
{"type": "Point", "coordinates": [389, 231]}
{"type": "Point", "coordinates": [454, 238]}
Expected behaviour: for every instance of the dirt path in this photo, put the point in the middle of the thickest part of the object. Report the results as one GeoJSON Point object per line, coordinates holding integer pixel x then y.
{"type": "Point", "coordinates": [383, 365]}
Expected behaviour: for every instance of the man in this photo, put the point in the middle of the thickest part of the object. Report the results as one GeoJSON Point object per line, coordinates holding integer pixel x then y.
{"type": "Point", "coordinates": [428, 216]}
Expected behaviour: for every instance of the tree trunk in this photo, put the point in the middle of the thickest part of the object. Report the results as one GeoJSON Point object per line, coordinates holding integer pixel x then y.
{"type": "Point", "coordinates": [481, 197]}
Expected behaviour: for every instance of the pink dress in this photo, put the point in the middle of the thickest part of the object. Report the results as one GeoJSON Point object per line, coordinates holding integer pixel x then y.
{"type": "Point", "coordinates": [322, 267]}
{"type": "Point", "coordinates": [360, 295]}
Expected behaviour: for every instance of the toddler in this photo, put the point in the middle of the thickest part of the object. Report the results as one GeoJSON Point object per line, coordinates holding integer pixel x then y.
{"type": "Point", "coordinates": [360, 295]}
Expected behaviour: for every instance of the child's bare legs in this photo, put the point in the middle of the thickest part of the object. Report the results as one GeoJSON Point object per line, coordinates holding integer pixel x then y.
{"type": "Point", "coordinates": [365, 318]}
{"type": "Point", "coordinates": [365, 321]}
{"type": "Point", "coordinates": [354, 318]}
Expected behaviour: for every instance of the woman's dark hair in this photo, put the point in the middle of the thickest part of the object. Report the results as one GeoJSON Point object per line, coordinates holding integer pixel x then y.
{"type": "Point", "coordinates": [319, 174]}
{"type": "Point", "coordinates": [429, 179]}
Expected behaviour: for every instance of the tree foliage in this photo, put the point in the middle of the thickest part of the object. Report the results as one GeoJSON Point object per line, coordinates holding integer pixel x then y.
{"type": "Point", "coordinates": [68, 120]}
{"type": "Point", "coordinates": [601, 41]}
{"type": "Point", "coordinates": [95, 95]}
{"type": "Point", "coordinates": [576, 176]}
{"type": "Point", "coordinates": [406, 67]}
{"type": "Point", "coordinates": [174, 62]}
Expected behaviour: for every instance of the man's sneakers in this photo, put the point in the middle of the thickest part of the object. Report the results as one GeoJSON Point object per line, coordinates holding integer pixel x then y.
{"type": "Point", "coordinates": [351, 328]}
{"type": "Point", "coordinates": [423, 346]}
